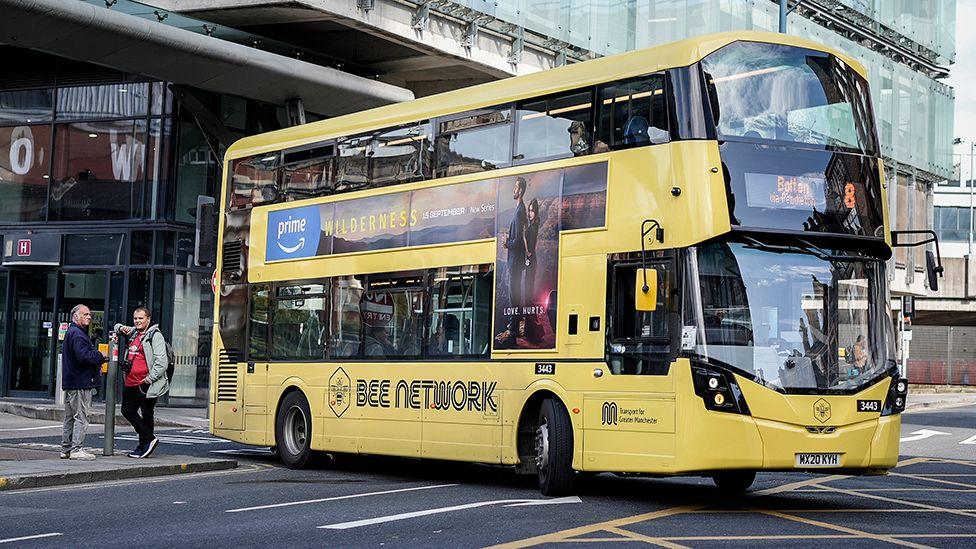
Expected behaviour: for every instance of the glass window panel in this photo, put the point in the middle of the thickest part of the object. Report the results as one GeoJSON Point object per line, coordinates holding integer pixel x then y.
{"type": "Point", "coordinates": [257, 322]}
{"type": "Point", "coordinates": [109, 101]}
{"type": "Point", "coordinates": [233, 111]}
{"type": "Point", "coordinates": [352, 165]}
{"type": "Point", "coordinates": [162, 99]}
{"type": "Point", "coordinates": [347, 293]}
{"type": "Point", "coordinates": [141, 247]}
{"type": "Point", "coordinates": [632, 113]}
{"type": "Point", "coordinates": [184, 250]}
{"type": "Point", "coordinates": [157, 165]}
{"type": "Point", "coordinates": [555, 127]}
{"type": "Point", "coordinates": [29, 106]}
{"type": "Point", "coordinates": [308, 173]}
{"type": "Point", "coordinates": [24, 163]}
{"type": "Point", "coordinates": [300, 322]}
{"type": "Point", "coordinates": [393, 317]}
{"type": "Point", "coordinates": [195, 172]}
{"type": "Point", "coordinates": [639, 338]}
{"type": "Point", "coordinates": [254, 180]}
{"type": "Point", "coordinates": [474, 143]}
{"type": "Point", "coordinates": [460, 320]}
{"type": "Point", "coordinates": [96, 249]}
{"type": "Point", "coordinates": [165, 252]}
{"type": "Point", "coordinates": [401, 155]}
{"type": "Point", "coordinates": [140, 286]}
{"type": "Point", "coordinates": [95, 160]}
{"type": "Point", "coordinates": [192, 310]}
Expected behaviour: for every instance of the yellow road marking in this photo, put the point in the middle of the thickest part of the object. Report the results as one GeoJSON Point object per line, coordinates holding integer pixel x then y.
{"type": "Point", "coordinates": [899, 501]}
{"type": "Point", "coordinates": [729, 511]}
{"type": "Point", "coordinates": [963, 490]}
{"type": "Point", "coordinates": [646, 539]}
{"type": "Point", "coordinates": [939, 480]}
{"type": "Point", "coordinates": [794, 537]}
{"type": "Point", "coordinates": [820, 524]}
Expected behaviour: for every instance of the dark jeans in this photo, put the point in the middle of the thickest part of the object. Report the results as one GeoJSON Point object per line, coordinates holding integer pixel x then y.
{"type": "Point", "coordinates": [133, 402]}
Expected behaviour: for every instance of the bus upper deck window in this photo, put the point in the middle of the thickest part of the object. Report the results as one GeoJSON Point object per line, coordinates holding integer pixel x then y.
{"type": "Point", "coordinates": [474, 142]}
{"type": "Point", "coordinates": [352, 164]}
{"type": "Point", "coordinates": [632, 113]}
{"type": "Point", "coordinates": [308, 172]}
{"type": "Point", "coordinates": [555, 127]}
{"type": "Point", "coordinates": [254, 180]}
{"type": "Point", "coordinates": [401, 155]}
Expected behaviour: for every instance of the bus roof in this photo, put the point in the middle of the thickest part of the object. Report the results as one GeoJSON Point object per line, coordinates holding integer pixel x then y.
{"type": "Point", "coordinates": [577, 75]}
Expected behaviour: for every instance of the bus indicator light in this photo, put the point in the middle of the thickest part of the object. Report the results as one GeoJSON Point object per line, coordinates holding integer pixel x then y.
{"type": "Point", "coordinates": [719, 398]}
{"type": "Point", "coordinates": [713, 383]}
{"type": "Point", "coordinates": [576, 410]}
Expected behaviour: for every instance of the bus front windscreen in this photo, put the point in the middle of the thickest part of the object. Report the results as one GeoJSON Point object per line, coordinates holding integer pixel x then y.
{"type": "Point", "coordinates": [797, 322]}
{"type": "Point", "coordinates": [772, 92]}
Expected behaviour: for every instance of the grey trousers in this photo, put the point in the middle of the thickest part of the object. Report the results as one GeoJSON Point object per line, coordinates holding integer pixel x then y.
{"type": "Point", "coordinates": [77, 406]}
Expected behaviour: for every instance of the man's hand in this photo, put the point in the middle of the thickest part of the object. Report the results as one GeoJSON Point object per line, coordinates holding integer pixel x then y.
{"type": "Point", "coordinates": [126, 330]}
{"type": "Point", "coordinates": [145, 381]}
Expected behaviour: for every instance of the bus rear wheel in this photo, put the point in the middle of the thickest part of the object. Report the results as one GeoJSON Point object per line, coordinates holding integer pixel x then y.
{"type": "Point", "coordinates": [293, 431]}
{"type": "Point", "coordinates": [734, 482]}
{"type": "Point", "coordinates": [554, 449]}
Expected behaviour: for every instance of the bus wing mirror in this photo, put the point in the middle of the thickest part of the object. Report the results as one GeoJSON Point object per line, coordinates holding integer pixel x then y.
{"type": "Point", "coordinates": [933, 270]}
{"type": "Point", "coordinates": [645, 294]}
{"type": "Point", "coordinates": [205, 240]}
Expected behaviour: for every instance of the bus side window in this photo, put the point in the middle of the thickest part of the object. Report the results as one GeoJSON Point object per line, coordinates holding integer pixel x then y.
{"type": "Point", "coordinates": [638, 341]}
{"type": "Point", "coordinates": [257, 322]}
{"type": "Point", "coordinates": [460, 322]}
{"type": "Point", "coordinates": [473, 142]}
{"type": "Point", "coordinates": [393, 316]}
{"type": "Point", "coordinates": [555, 127]}
{"type": "Point", "coordinates": [352, 165]}
{"type": "Point", "coordinates": [300, 321]}
{"type": "Point", "coordinates": [308, 173]}
{"type": "Point", "coordinates": [254, 180]}
{"type": "Point", "coordinates": [401, 155]}
{"type": "Point", "coordinates": [633, 112]}
{"type": "Point", "coordinates": [347, 293]}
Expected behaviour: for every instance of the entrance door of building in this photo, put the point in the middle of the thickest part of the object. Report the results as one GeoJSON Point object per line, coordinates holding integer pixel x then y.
{"type": "Point", "coordinates": [32, 333]}
{"type": "Point", "coordinates": [101, 292]}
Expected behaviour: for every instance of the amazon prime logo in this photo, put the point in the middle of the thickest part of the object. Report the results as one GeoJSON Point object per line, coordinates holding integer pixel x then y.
{"type": "Point", "coordinates": [293, 233]}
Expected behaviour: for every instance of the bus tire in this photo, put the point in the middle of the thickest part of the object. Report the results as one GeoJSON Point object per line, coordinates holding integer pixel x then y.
{"type": "Point", "coordinates": [293, 431]}
{"type": "Point", "coordinates": [554, 449]}
{"type": "Point", "coordinates": [734, 482]}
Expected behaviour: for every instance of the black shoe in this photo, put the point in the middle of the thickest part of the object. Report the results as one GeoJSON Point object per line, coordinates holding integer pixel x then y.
{"type": "Point", "coordinates": [139, 450]}
{"type": "Point", "coordinates": [150, 447]}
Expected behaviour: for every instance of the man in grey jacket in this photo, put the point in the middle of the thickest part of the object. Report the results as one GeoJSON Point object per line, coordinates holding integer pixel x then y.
{"type": "Point", "coordinates": [146, 380]}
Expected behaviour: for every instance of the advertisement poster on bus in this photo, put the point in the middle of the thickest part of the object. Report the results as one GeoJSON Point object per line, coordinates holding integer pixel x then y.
{"type": "Point", "coordinates": [527, 261]}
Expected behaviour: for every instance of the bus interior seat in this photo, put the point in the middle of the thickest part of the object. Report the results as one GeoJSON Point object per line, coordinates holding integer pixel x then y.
{"type": "Point", "coordinates": [635, 130]}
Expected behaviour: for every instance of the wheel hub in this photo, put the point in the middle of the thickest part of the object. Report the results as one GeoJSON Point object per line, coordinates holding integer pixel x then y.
{"type": "Point", "coordinates": [542, 447]}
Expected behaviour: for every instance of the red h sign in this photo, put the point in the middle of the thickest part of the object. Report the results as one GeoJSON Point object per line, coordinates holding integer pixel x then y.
{"type": "Point", "coordinates": [24, 247]}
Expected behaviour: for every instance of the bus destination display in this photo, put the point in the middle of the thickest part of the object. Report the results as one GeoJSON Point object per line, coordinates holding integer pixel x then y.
{"type": "Point", "coordinates": [785, 192]}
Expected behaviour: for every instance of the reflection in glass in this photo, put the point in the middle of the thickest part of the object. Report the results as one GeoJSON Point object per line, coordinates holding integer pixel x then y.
{"type": "Point", "coordinates": [352, 165]}
{"type": "Point", "coordinates": [474, 143]}
{"type": "Point", "coordinates": [308, 172]}
{"type": "Point", "coordinates": [300, 322]}
{"type": "Point", "coordinates": [29, 106]}
{"type": "Point", "coordinates": [555, 127]}
{"type": "Point", "coordinates": [109, 101]}
{"type": "Point", "coordinates": [392, 312]}
{"type": "Point", "coordinates": [254, 180]}
{"type": "Point", "coordinates": [95, 249]}
{"type": "Point", "coordinates": [792, 320]}
{"type": "Point", "coordinates": [258, 323]}
{"type": "Point", "coordinates": [24, 162]}
{"type": "Point", "coordinates": [460, 319]}
{"type": "Point", "coordinates": [347, 293]}
{"type": "Point", "coordinates": [401, 155]}
{"type": "Point", "coordinates": [94, 160]}
{"type": "Point", "coordinates": [632, 113]}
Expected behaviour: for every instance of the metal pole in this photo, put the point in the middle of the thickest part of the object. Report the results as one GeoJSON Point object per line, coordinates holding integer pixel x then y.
{"type": "Point", "coordinates": [968, 255]}
{"type": "Point", "coordinates": [110, 390]}
{"type": "Point", "coordinates": [783, 10]}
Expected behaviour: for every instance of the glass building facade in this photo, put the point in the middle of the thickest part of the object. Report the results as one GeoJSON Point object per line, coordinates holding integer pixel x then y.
{"type": "Point", "coordinates": [109, 171]}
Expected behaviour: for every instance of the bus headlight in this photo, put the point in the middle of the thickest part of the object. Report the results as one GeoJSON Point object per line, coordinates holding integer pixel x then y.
{"type": "Point", "coordinates": [718, 389]}
{"type": "Point", "coordinates": [897, 396]}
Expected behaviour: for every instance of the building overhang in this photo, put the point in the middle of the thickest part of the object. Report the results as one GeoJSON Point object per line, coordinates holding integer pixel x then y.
{"type": "Point", "coordinates": [84, 32]}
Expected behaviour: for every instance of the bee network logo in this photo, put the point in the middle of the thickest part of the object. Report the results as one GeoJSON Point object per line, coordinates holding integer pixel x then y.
{"type": "Point", "coordinates": [293, 233]}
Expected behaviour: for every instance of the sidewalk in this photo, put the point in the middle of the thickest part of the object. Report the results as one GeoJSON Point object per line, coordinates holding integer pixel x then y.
{"type": "Point", "coordinates": [24, 467]}
{"type": "Point", "coordinates": [921, 397]}
{"type": "Point", "coordinates": [195, 418]}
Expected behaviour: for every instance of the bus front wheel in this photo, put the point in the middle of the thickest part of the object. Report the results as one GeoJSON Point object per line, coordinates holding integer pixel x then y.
{"type": "Point", "coordinates": [734, 482]}
{"type": "Point", "coordinates": [554, 449]}
{"type": "Point", "coordinates": [293, 431]}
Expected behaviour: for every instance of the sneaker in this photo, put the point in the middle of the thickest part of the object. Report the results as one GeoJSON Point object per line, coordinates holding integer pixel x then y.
{"type": "Point", "coordinates": [65, 454]}
{"type": "Point", "coordinates": [138, 451]}
{"type": "Point", "coordinates": [82, 455]}
{"type": "Point", "coordinates": [150, 447]}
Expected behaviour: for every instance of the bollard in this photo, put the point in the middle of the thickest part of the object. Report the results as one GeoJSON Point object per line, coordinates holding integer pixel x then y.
{"type": "Point", "coordinates": [110, 390]}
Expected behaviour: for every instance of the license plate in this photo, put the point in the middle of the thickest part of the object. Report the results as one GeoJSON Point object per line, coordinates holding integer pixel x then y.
{"type": "Point", "coordinates": [818, 460]}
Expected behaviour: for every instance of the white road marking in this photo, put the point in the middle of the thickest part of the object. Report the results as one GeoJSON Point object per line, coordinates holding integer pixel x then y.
{"type": "Point", "coordinates": [922, 434]}
{"type": "Point", "coordinates": [414, 514]}
{"type": "Point", "coordinates": [31, 428]}
{"type": "Point", "coordinates": [970, 440]}
{"type": "Point", "coordinates": [179, 439]}
{"type": "Point", "coordinates": [25, 538]}
{"type": "Point", "coordinates": [245, 452]}
{"type": "Point", "coordinates": [337, 498]}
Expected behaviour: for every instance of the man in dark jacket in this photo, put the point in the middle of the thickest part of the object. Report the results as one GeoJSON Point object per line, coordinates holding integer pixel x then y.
{"type": "Point", "coordinates": [80, 375]}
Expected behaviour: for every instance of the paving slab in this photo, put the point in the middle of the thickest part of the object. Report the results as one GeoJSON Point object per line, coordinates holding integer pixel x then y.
{"type": "Point", "coordinates": [164, 417]}
{"type": "Point", "coordinates": [25, 467]}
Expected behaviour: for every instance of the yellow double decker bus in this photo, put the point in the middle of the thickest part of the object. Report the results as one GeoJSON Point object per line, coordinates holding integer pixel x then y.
{"type": "Point", "coordinates": [668, 262]}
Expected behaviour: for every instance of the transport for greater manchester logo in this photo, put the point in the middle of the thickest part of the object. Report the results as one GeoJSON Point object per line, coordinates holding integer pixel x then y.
{"type": "Point", "coordinates": [821, 410]}
{"type": "Point", "coordinates": [339, 392]}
